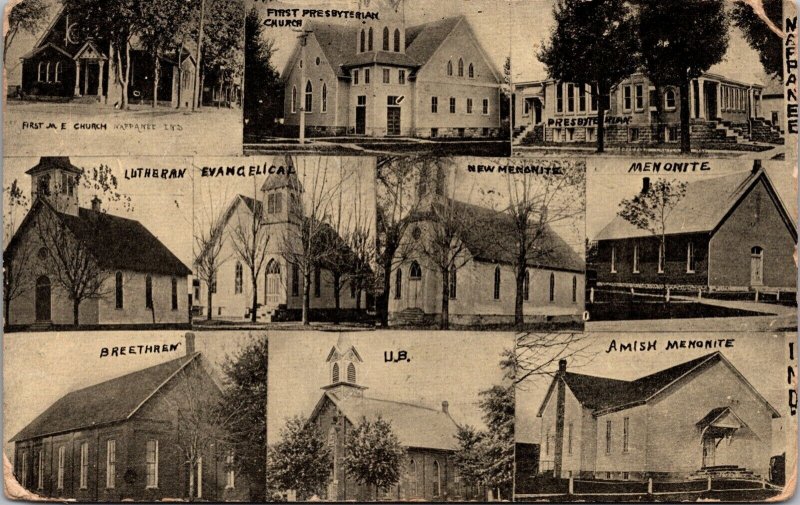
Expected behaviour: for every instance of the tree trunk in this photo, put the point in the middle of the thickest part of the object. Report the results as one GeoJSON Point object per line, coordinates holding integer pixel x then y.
{"type": "Point", "coordinates": [76, 312]}
{"type": "Point", "coordinates": [125, 81]}
{"type": "Point", "coordinates": [358, 298]}
{"type": "Point", "coordinates": [659, 114]}
{"type": "Point", "coordinates": [209, 293]}
{"type": "Point", "coordinates": [254, 306]}
{"type": "Point", "coordinates": [686, 146]}
{"type": "Point", "coordinates": [519, 316]}
{"type": "Point", "coordinates": [180, 75]}
{"type": "Point", "coordinates": [383, 300]}
{"type": "Point", "coordinates": [444, 321]}
{"type": "Point", "coordinates": [337, 296]}
{"type": "Point", "coordinates": [198, 64]}
{"type": "Point", "coordinates": [306, 299]}
{"type": "Point", "coordinates": [155, 80]}
{"type": "Point", "coordinates": [601, 116]}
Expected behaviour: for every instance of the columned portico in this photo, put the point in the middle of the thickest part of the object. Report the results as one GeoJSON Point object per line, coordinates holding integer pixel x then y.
{"type": "Point", "coordinates": [701, 109]}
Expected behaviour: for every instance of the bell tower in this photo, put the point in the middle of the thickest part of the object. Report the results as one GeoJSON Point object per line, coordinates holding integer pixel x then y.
{"type": "Point", "coordinates": [432, 184]}
{"type": "Point", "coordinates": [343, 369]}
{"type": "Point", "coordinates": [56, 180]}
{"type": "Point", "coordinates": [282, 194]}
{"type": "Point", "coordinates": [388, 32]}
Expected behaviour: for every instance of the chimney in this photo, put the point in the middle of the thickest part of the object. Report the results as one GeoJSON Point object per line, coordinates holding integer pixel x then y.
{"type": "Point", "coordinates": [562, 365]}
{"type": "Point", "coordinates": [96, 204]}
{"type": "Point", "coordinates": [189, 343]}
{"type": "Point", "coordinates": [756, 166]}
{"type": "Point", "coordinates": [445, 407]}
{"type": "Point", "coordinates": [645, 185]}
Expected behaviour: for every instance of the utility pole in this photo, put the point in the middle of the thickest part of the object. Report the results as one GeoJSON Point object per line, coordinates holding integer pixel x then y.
{"type": "Point", "coordinates": [302, 90]}
{"type": "Point", "coordinates": [197, 71]}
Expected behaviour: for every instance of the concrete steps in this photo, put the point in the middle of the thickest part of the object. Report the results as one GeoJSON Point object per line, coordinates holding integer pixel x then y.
{"type": "Point", "coordinates": [409, 317]}
{"type": "Point", "coordinates": [722, 472]}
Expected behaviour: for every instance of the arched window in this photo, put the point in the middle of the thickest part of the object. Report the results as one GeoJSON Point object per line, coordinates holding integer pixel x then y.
{"type": "Point", "coordinates": [398, 284]}
{"type": "Point", "coordinates": [118, 290]}
{"type": "Point", "coordinates": [295, 280]}
{"type": "Point", "coordinates": [351, 373]}
{"type": "Point", "coordinates": [552, 287]}
{"type": "Point", "coordinates": [574, 289]}
{"type": "Point", "coordinates": [460, 67]}
{"type": "Point", "coordinates": [39, 72]}
{"type": "Point", "coordinates": [412, 473]}
{"type": "Point", "coordinates": [369, 40]}
{"type": "Point", "coordinates": [317, 282]}
{"type": "Point", "coordinates": [324, 97]}
{"type": "Point", "coordinates": [294, 99]}
{"type": "Point", "coordinates": [309, 97]}
{"type": "Point", "coordinates": [43, 298]}
{"type": "Point", "coordinates": [239, 277]}
{"type": "Point", "coordinates": [497, 283]}
{"type": "Point", "coordinates": [669, 99]}
{"type": "Point", "coordinates": [526, 286]}
{"type": "Point", "coordinates": [453, 282]}
{"type": "Point", "coordinates": [385, 38]}
{"type": "Point", "coordinates": [148, 291]}
{"type": "Point", "coordinates": [471, 71]}
{"type": "Point", "coordinates": [48, 72]}
{"type": "Point", "coordinates": [449, 67]}
{"type": "Point", "coordinates": [58, 72]}
{"type": "Point", "coordinates": [415, 272]}
{"type": "Point", "coordinates": [437, 479]}
{"type": "Point", "coordinates": [396, 40]}
{"type": "Point", "coordinates": [174, 293]}
{"type": "Point", "coordinates": [363, 45]}
{"type": "Point", "coordinates": [335, 373]}
{"type": "Point", "coordinates": [757, 266]}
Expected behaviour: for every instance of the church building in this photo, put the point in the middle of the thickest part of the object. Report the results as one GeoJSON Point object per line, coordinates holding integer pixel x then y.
{"type": "Point", "coordinates": [428, 436]}
{"type": "Point", "coordinates": [694, 420]}
{"type": "Point", "coordinates": [70, 265]}
{"type": "Point", "coordinates": [382, 78]}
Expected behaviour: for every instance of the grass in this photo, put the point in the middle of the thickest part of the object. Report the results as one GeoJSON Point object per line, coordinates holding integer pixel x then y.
{"type": "Point", "coordinates": [372, 147]}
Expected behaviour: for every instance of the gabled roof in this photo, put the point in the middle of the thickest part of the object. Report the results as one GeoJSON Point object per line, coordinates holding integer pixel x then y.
{"type": "Point", "coordinates": [414, 425]}
{"type": "Point", "coordinates": [38, 49]}
{"type": "Point", "coordinates": [108, 402]}
{"type": "Point", "coordinates": [47, 163]}
{"type": "Point", "coordinates": [703, 208]}
{"type": "Point", "coordinates": [423, 40]}
{"type": "Point", "coordinates": [604, 395]}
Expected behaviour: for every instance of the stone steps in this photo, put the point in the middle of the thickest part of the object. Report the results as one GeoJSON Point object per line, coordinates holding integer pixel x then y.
{"type": "Point", "coordinates": [409, 317]}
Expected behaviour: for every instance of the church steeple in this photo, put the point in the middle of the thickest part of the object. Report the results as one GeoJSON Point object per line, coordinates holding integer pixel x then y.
{"type": "Point", "coordinates": [283, 195]}
{"type": "Point", "coordinates": [55, 179]}
{"type": "Point", "coordinates": [343, 369]}
{"type": "Point", "coordinates": [386, 34]}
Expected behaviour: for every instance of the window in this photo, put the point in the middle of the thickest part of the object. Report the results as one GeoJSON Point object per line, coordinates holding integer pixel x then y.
{"type": "Point", "coordinates": [111, 464]}
{"type": "Point", "coordinates": [593, 101]}
{"type": "Point", "coordinates": [625, 475]}
{"type": "Point", "coordinates": [569, 438]}
{"type": "Point", "coordinates": [118, 292]}
{"type": "Point", "coordinates": [452, 105]}
{"type": "Point", "coordinates": [317, 282]}
{"type": "Point", "coordinates": [309, 105]}
{"type": "Point", "coordinates": [398, 284]}
{"type": "Point", "coordinates": [661, 257]}
{"type": "Point", "coordinates": [366, 76]}
{"type": "Point", "coordinates": [437, 480]}
{"type": "Point", "coordinates": [351, 373]}
{"type": "Point", "coordinates": [385, 38]}
{"type": "Point", "coordinates": [434, 105]}
{"type": "Point", "coordinates": [324, 97]}
{"type": "Point", "coordinates": [274, 203]}
{"type": "Point", "coordinates": [415, 272]}
{"type": "Point", "coordinates": [369, 40]}
{"type": "Point", "coordinates": [633, 134]}
{"type": "Point", "coordinates": [294, 99]}
{"type": "Point", "coordinates": [639, 97]}
{"type": "Point", "coordinates": [574, 289]}
{"type": "Point", "coordinates": [434, 132]}
{"type": "Point", "coordinates": [295, 280]}
{"type": "Point", "coordinates": [552, 287]}
{"type": "Point", "coordinates": [230, 474]}
{"type": "Point", "coordinates": [352, 288]}
{"type": "Point", "coordinates": [526, 286]}
{"type": "Point", "coordinates": [174, 293]}
{"type": "Point", "coordinates": [335, 374]}
{"type": "Point", "coordinates": [48, 72]}
{"type": "Point", "coordinates": [397, 40]}
{"type": "Point", "coordinates": [413, 474]}
{"type": "Point", "coordinates": [582, 98]}
{"type": "Point", "coordinates": [401, 76]}
{"type": "Point", "coordinates": [625, 433]}
{"type": "Point", "coordinates": [636, 259]}
{"type": "Point", "coordinates": [148, 292]}
{"type": "Point", "coordinates": [84, 475]}
{"type": "Point", "coordinates": [40, 74]}
{"type": "Point", "coordinates": [355, 76]}
{"type": "Point", "coordinates": [238, 278]}
{"type": "Point", "coordinates": [627, 103]}
{"type": "Point", "coordinates": [449, 67]}
{"type": "Point", "coordinates": [486, 106]}
{"type": "Point", "coordinates": [151, 463]}
{"type": "Point", "coordinates": [497, 283]}
{"type": "Point", "coordinates": [363, 45]}
{"type": "Point", "coordinates": [62, 452]}
{"type": "Point", "coordinates": [40, 471]}
{"type": "Point", "coordinates": [386, 78]}
{"type": "Point", "coordinates": [469, 105]}
{"type": "Point", "coordinates": [669, 99]}
{"type": "Point", "coordinates": [559, 97]}
{"type": "Point", "coordinates": [453, 282]}
{"type": "Point", "coordinates": [317, 61]}
{"type": "Point", "coordinates": [460, 67]}
{"type": "Point", "coordinates": [24, 469]}
{"type": "Point", "coordinates": [58, 72]}
{"type": "Point", "coordinates": [471, 71]}
{"type": "Point", "coordinates": [547, 442]}
{"type": "Point", "coordinates": [608, 437]}
{"type": "Point", "coordinates": [690, 265]}
{"type": "Point", "coordinates": [570, 97]}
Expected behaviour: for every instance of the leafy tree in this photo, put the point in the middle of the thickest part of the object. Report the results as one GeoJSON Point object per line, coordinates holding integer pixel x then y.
{"type": "Point", "coordinates": [594, 43]}
{"type": "Point", "coordinates": [670, 33]}
{"type": "Point", "coordinates": [373, 455]}
{"type": "Point", "coordinates": [222, 56]}
{"type": "Point", "coordinates": [301, 461]}
{"type": "Point", "coordinates": [245, 377]}
{"type": "Point", "coordinates": [263, 99]}
{"type": "Point", "coordinates": [759, 23]}
{"type": "Point", "coordinates": [28, 16]}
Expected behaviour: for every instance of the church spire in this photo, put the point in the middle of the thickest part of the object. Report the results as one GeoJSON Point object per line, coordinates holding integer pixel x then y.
{"type": "Point", "coordinates": [343, 368]}
{"type": "Point", "coordinates": [56, 180]}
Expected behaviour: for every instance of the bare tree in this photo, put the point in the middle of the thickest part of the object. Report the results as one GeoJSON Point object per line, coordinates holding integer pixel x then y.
{"type": "Point", "coordinates": [538, 354]}
{"type": "Point", "coordinates": [17, 278]}
{"type": "Point", "coordinates": [209, 242]}
{"type": "Point", "coordinates": [249, 240]}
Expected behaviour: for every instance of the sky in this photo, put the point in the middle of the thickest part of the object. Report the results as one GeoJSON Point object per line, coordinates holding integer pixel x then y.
{"type": "Point", "coordinates": [490, 19]}
{"type": "Point", "coordinates": [533, 23]}
{"type": "Point", "coordinates": [757, 356]}
{"type": "Point", "coordinates": [608, 182]}
{"type": "Point", "coordinates": [72, 362]}
{"type": "Point", "coordinates": [162, 206]}
{"type": "Point", "coordinates": [448, 366]}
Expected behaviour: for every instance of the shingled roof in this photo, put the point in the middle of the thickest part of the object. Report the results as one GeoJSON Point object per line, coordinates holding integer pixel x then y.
{"type": "Point", "coordinates": [414, 425]}
{"type": "Point", "coordinates": [603, 394]}
{"type": "Point", "coordinates": [104, 403]}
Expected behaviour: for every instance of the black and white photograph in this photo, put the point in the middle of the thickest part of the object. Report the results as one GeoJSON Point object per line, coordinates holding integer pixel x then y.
{"type": "Point", "coordinates": [356, 77]}
{"type": "Point", "coordinates": [92, 77]}
{"type": "Point", "coordinates": [284, 241]}
{"type": "Point", "coordinates": [469, 243]}
{"type": "Point", "coordinates": [654, 418]}
{"type": "Point", "coordinates": [704, 250]}
{"type": "Point", "coordinates": [96, 243]}
{"type": "Point", "coordinates": [376, 417]}
{"type": "Point", "coordinates": [666, 77]}
{"type": "Point", "coordinates": [166, 417]}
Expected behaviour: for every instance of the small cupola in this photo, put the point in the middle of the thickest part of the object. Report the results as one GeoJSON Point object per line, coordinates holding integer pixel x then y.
{"type": "Point", "coordinates": [57, 180]}
{"type": "Point", "coordinates": [343, 369]}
